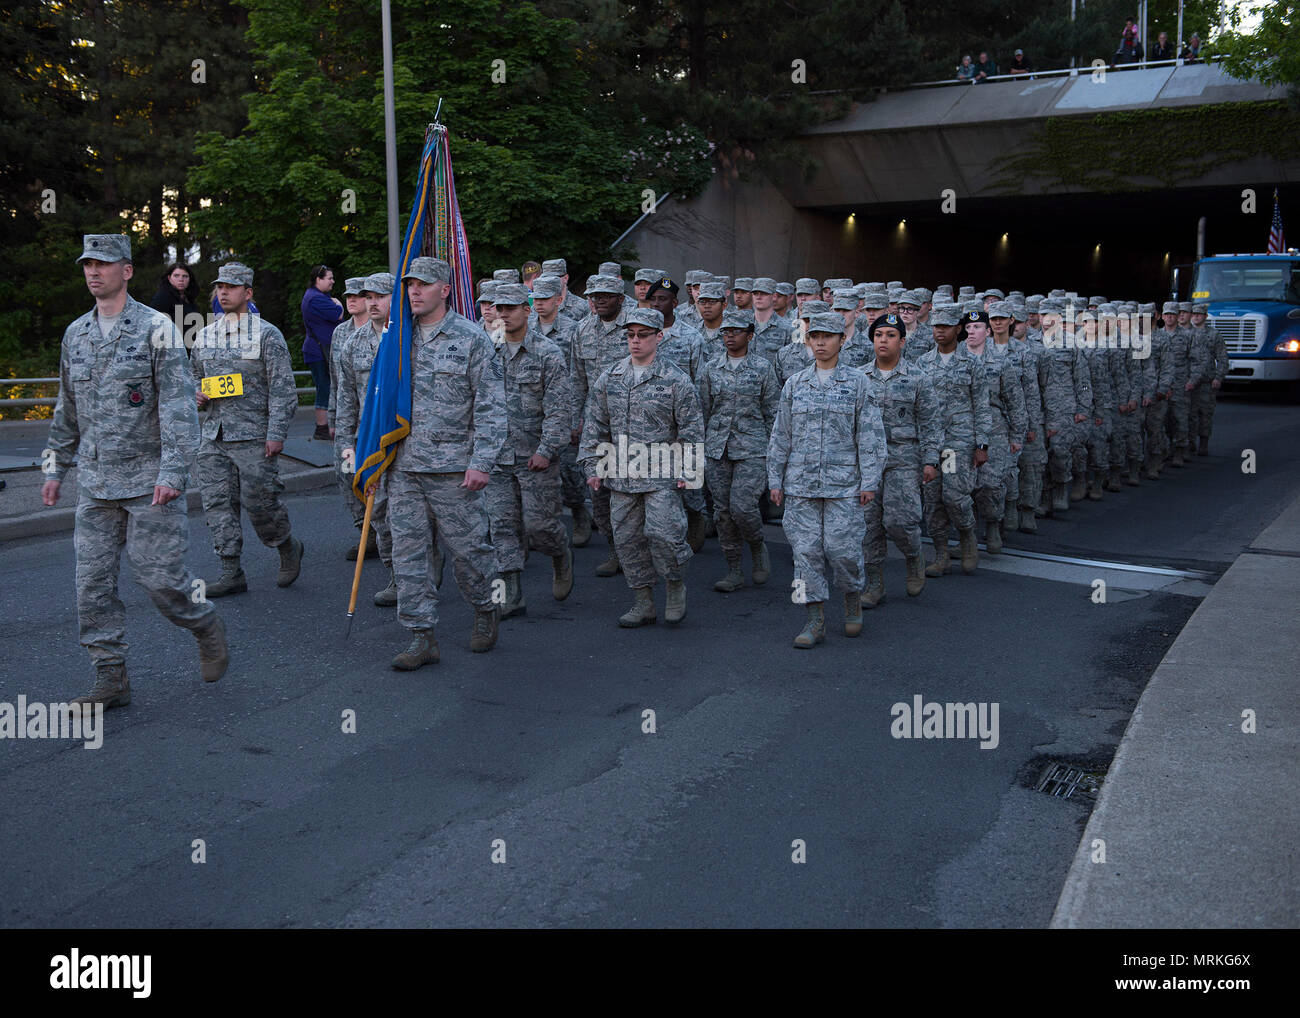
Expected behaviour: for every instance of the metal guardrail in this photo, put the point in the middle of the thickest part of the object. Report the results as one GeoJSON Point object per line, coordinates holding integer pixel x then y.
{"type": "Point", "coordinates": [1059, 72]}
{"type": "Point", "coordinates": [34, 401]}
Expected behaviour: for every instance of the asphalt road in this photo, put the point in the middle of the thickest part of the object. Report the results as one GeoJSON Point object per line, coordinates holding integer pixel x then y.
{"type": "Point", "coordinates": [539, 744]}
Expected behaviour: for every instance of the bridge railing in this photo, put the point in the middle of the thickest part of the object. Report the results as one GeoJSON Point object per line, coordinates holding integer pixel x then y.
{"type": "Point", "coordinates": [1056, 72]}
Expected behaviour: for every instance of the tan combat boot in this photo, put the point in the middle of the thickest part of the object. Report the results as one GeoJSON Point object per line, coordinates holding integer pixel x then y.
{"type": "Point", "coordinates": [514, 602]}
{"type": "Point", "coordinates": [1079, 489]}
{"type": "Point", "coordinates": [372, 548]}
{"type": "Point", "coordinates": [1113, 481]}
{"type": "Point", "coordinates": [993, 537]}
{"type": "Point", "coordinates": [610, 567]}
{"type": "Point", "coordinates": [675, 602]}
{"type": "Point", "coordinates": [562, 574]}
{"type": "Point", "coordinates": [112, 688]}
{"type": "Point", "coordinates": [484, 636]}
{"type": "Point", "coordinates": [1010, 515]}
{"type": "Point", "coordinates": [970, 550]}
{"type": "Point", "coordinates": [1203, 446]}
{"type": "Point", "coordinates": [915, 574]}
{"type": "Point", "coordinates": [1060, 498]}
{"type": "Point", "coordinates": [231, 581]}
{"type": "Point", "coordinates": [387, 598]}
{"type": "Point", "coordinates": [1028, 521]}
{"type": "Point", "coordinates": [422, 650]}
{"type": "Point", "coordinates": [214, 652]}
{"type": "Point", "coordinates": [941, 559]}
{"type": "Point", "coordinates": [735, 579]}
{"type": "Point", "coordinates": [762, 567]}
{"type": "Point", "coordinates": [1176, 460]}
{"type": "Point", "coordinates": [875, 589]}
{"type": "Point", "coordinates": [581, 527]}
{"type": "Point", "coordinates": [290, 562]}
{"type": "Point", "coordinates": [814, 629]}
{"type": "Point", "coordinates": [1134, 476]}
{"type": "Point", "coordinates": [852, 614]}
{"type": "Point", "coordinates": [642, 613]}
{"type": "Point", "coordinates": [1094, 487]}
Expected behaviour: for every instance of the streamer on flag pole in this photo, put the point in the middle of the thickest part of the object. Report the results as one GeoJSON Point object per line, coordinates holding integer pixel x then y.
{"type": "Point", "coordinates": [434, 229]}
{"type": "Point", "coordinates": [1276, 238]}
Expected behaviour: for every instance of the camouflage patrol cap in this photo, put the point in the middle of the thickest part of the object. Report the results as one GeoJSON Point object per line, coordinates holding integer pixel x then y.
{"type": "Point", "coordinates": [105, 247]}
{"type": "Point", "coordinates": [764, 284]}
{"type": "Point", "coordinates": [604, 283]}
{"type": "Point", "coordinates": [927, 296]}
{"type": "Point", "coordinates": [1107, 309]}
{"type": "Point", "coordinates": [966, 291]}
{"type": "Point", "coordinates": [506, 275]}
{"type": "Point", "coordinates": [648, 275]}
{"type": "Point", "coordinates": [1200, 309]}
{"type": "Point", "coordinates": [826, 321]}
{"type": "Point", "coordinates": [1184, 305]}
{"type": "Point", "coordinates": [1032, 303]}
{"type": "Point", "coordinates": [429, 270]}
{"type": "Point", "coordinates": [737, 318]}
{"type": "Point", "coordinates": [894, 293]}
{"type": "Point", "coordinates": [724, 280]}
{"type": "Point", "coordinates": [912, 298]}
{"type": "Point", "coordinates": [711, 289]}
{"type": "Point", "coordinates": [944, 288]}
{"type": "Point", "coordinates": [1051, 306]}
{"type": "Point", "coordinates": [611, 269]}
{"type": "Point", "coordinates": [547, 285]}
{"type": "Point", "coordinates": [487, 293]}
{"type": "Point", "coordinates": [995, 292]}
{"type": "Point", "coordinates": [895, 284]}
{"type": "Point", "coordinates": [838, 283]}
{"type": "Point", "coordinates": [510, 294]}
{"type": "Point", "coordinates": [1018, 312]}
{"type": "Point", "coordinates": [813, 307]}
{"type": "Point", "coordinates": [555, 267]}
{"type": "Point", "coordinates": [1170, 308]}
{"type": "Point", "coordinates": [875, 299]}
{"type": "Point", "coordinates": [1096, 301]}
{"type": "Point", "coordinates": [353, 286]}
{"type": "Point", "coordinates": [785, 289]}
{"type": "Point", "coordinates": [1015, 295]}
{"type": "Point", "coordinates": [648, 317]}
{"type": "Point", "coordinates": [945, 314]}
{"type": "Point", "coordinates": [1147, 308]}
{"type": "Point", "coordinates": [378, 282]}
{"type": "Point", "coordinates": [844, 300]}
{"type": "Point", "coordinates": [804, 284]}
{"type": "Point", "coordinates": [696, 276]}
{"type": "Point", "coordinates": [745, 283]}
{"type": "Point", "coordinates": [235, 274]}
{"type": "Point", "coordinates": [1000, 309]}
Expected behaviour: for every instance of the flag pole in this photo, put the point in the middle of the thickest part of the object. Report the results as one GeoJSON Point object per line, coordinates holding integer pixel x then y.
{"type": "Point", "coordinates": [390, 137]}
{"type": "Point", "coordinates": [361, 557]}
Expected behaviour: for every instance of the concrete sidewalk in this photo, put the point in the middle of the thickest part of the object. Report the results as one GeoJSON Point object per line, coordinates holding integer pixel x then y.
{"type": "Point", "coordinates": [1199, 817]}
{"type": "Point", "coordinates": [304, 464]}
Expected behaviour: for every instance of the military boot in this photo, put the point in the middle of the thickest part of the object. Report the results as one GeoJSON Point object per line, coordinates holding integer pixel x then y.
{"type": "Point", "coordinates": [1060, 498]}
{"type": "Point", "coordinates": [1113, 481]}
{"type": "Point", "coordinates": [1094, 487]}
{"type": "Point", "coordinates": [735, 578]}
{"type": "Point", "coordinates": [1028, 522]}
{"type": "Point", "coordinates": [112, 688]}
{"type": "Point", "coordinates": [231, 581]}
{"type": "Point", "coordinates": [1134, 478]}
{"type": "Point", "coordinates": [852, 614]}
{"type": "Point", "coordinates": [1176, 460]}
{"type": "Point", "coordinates": [1153, 469]}
{"type": "Point", "coordinates": [372, 548]}
{"type": "Point", "coordinates": [875, 589]}
{"type": "Point", "coordinates": [1203, 446]}
{"type": "Point", "coordinates": [696, 527]}
{"type": "Point", "coordinates": [1079, 489]}
{"type": "Point", "coordinates": [610, 566]}
{"type": "Point", "coordinates": [642, 613]}
{"type": "Point", "coordinates": [1010, 515]}
{"type": "Point", "coordinates": [941, 559]}
{"type": "Point", "coordinates": [762, 567]}
{"type": "Point", "coordinates": [992, 537]}
{"type": "Point", "coordinates": [915, 574]}
{"type": "Point", "coordinates": [970, 551]}
{"type": "Point", "coordinates": [290, 562]}
{"type": "Point", "coordinates": [675, 602]}
{"type": "Point", "coordinates": [422, 650]}
{"type": "Point", "coordinates": [514, 602]}
{"type": "Point", "coordinates": [214, 653]}
{"type": "Point", "coordinates": [581, 527]}
{"type": "Point", "coordinates": [562, 574]}
{"type": "Point", "coordinates": [1044, 507]}
{"type": "Point", "coordinates": [484, 636]}
{"type": "Point", "coordinates": [387, 598]}
{"type": "Point", "coordinates": [814, 629]}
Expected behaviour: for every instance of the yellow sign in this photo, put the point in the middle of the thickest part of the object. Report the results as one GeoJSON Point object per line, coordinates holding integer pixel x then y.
{"type": "Point", "coordinates": [216, 386]}
{"type": "Point", "coordinates": [1201, 295]}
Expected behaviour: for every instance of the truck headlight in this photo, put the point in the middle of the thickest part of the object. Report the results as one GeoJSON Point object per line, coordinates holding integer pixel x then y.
{"type": "Point", "coordinates": [1288, 346]}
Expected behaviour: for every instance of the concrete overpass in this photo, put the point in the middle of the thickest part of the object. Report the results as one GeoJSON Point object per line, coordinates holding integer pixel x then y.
{"type": "Point", "coordinates": [871, 208]}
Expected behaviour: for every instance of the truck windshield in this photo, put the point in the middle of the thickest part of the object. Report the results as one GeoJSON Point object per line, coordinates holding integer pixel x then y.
{"type": "Point", "coordinates": [1274, 280]}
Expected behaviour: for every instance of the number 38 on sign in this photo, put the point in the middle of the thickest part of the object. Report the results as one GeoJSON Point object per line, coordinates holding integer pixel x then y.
{"type": "Point", "coordinates": [215, 386]}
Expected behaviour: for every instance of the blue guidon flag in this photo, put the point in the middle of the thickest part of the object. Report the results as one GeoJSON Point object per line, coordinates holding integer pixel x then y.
{"type": "Point", "coordinates": [435, 228]}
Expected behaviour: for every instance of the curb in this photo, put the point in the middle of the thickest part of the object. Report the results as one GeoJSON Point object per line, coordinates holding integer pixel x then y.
{"type": "Point", "coordinates": [54, 521]}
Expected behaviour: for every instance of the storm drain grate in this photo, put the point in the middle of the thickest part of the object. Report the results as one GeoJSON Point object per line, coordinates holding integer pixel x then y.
{"type": "Point", "coordinates": [1064, 780]}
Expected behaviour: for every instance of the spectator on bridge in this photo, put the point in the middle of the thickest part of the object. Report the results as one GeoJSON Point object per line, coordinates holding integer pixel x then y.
{"type": "Point", "coordinates": [1192, 51]}
{"type": "Point", "coordinates": [986, 68]}
{"type": "Point", "coordinates": [1020, 64]}
{"type": "Point", "coordinates": [1163, 49]}
{"type": "Point", "coordinates": [1130, 48]}
{"type": "Point", "coordinates": [966, 72]}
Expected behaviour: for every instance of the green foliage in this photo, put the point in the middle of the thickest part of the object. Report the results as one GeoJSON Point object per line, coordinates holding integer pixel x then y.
{"type": "Point", "coordinates": [1271, 53]}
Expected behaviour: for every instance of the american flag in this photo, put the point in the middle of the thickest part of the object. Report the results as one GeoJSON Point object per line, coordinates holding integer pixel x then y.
{"type": "Point", "coordinates": [1276, 240]}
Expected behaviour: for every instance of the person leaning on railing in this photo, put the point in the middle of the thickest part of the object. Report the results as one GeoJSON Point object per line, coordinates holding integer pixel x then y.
{"type": "Point", "coordinates": [966, 72]}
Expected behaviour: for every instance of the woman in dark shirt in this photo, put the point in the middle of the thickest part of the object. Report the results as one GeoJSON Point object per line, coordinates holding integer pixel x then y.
{"type": "Point", "coordinates": [176, 298]}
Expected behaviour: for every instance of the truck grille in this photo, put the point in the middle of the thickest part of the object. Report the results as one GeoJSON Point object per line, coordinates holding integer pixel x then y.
{"type": "Point", "coordinates": [1243, 334]}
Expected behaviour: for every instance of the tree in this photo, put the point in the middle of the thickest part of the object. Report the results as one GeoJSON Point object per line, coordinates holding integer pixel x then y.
{"type": "Point", "coordinates": [1271, 52]}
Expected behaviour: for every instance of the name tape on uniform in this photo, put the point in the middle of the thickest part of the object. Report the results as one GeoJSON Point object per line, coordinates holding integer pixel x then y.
{"type": "Point", "coordinates": [216, 386]}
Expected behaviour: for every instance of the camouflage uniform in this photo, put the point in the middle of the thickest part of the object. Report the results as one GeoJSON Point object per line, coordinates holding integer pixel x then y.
{"type": "Point", "coordinates": [791, 359]}
{"type": "Point", "coordinates": [770, 337]}
{"type": "Point", "coordinates": [524, 505]}
{"type": "Point", "coordinates": [1065, 385]}
{"type": "Point", "coordinates": [233, 467]}
{"type": "Point", "coordinates": [1180, 342]}
{"type": "Point", "coordinates": [338, 347]}
{"type": "Point", "coordinates": [1096, 453]}
{"type": "Point", "coordinates": [458, 422]}
{"type": "Point", "coordinates": [355, 362]}
{"type": "Point", "coordinates": [126, 411]}
{"type": "Point", "coordinates": [1007, 406]}
{"type": "Point", "coordinates": [827, 446]}
{"type": "Point", "coordinates": [858, 351]}
{"type": "Point", "coordinates": [911, 413]}
{"type": "Point", "coordinates": [1122, 391]}
{"type": "Point", "coordinates": [684, 346]}
{"type": "Point", "coordinates": [739, 406]}
{"type": "Point", "coordinates": [962, 390]}
{"type": "Point", "coordinates": [1023, 356]}
{"type": "Point", "coordinates": [573, 489]}
{"type": "Point", "coordinates": [649, 524]}
{"type": "Point", "coordinates": [597, 346]}
{"type": "Point", "coordinates": [1212, 356]}
{"type": "Point", "coordinates": [1158, 380]}
{"type": "Point", "coordinates": [919, 340]}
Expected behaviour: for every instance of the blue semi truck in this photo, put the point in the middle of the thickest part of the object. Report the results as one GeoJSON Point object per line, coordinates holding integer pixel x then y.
{"type": "Point", "coordinates": [1254, 305]}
